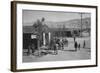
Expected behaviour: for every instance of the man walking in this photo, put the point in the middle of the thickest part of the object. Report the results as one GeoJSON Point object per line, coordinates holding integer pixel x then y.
{"type": "Point", "coordinates": [75, 45]}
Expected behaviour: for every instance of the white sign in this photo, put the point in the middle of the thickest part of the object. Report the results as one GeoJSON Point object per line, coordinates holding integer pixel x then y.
{"type": "Point", "coordinates": [33, 36]}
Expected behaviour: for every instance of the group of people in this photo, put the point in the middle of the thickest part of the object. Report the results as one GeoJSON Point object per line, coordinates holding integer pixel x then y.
{"type": "Point", "coordinates": [77, 45]}
{"type": "Point", "coordinates": [54, 45]}
{"type": "Point", "coordinates": [58, 44]}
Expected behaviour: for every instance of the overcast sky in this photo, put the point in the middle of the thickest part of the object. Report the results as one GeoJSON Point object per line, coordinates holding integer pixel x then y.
{"type": "Point", "coordinates": [30, 16]}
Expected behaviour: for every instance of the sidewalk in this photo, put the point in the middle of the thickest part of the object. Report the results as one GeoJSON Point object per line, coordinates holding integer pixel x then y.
{"type": "Point", "coordinates": [81, 54]}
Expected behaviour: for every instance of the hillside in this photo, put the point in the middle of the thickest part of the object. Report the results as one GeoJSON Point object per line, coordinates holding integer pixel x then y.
{"type": "Point", "coordinates": [76, 23]}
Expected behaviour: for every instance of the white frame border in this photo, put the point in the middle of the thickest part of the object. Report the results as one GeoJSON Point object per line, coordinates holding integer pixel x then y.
{"type": "Point", "coordinates": [34, 65]}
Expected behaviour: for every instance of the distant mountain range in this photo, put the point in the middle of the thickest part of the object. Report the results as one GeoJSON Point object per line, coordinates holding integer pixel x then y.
{"type": "Point", "coordinates": [76, 23]}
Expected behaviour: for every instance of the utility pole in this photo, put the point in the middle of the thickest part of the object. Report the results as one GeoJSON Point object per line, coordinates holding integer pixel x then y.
{"type": "Point", "coordinates": [81, 24]}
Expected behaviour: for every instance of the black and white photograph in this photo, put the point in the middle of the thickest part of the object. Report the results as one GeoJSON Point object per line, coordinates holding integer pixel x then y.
{"type": "Point", "coordinates": [56, 36]}
{"type": "Point", "coordinates": [53, 36]}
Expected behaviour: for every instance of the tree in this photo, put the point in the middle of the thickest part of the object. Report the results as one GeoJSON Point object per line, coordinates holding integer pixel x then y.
{"type": "Point", "coordinates": [38, 27]}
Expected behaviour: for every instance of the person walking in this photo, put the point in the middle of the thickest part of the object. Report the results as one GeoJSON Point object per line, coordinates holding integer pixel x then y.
{"type": "Point", "coordinates": [55, 48]}
{"type": "Point", "coordinates": [75, 45]}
